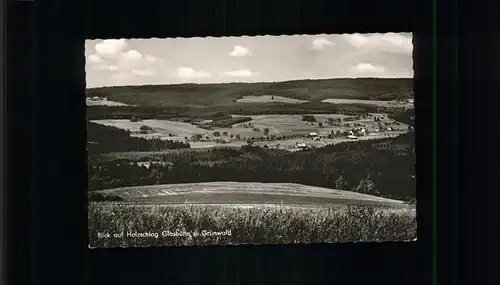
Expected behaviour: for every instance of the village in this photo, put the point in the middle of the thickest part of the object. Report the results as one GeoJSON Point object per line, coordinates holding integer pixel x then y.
{"type": "Point", "coordinates": [300, 132]}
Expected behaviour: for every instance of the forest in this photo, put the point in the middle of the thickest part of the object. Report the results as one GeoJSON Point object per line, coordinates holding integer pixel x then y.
{"type": "Point", "coordinates": [384, 167]}
{"type": "Point", "coordinates": [406, 117]}
{"type": "Point", "coordinates": [102, 139]}
{"type": "Point", "coordinates": [189, 114]}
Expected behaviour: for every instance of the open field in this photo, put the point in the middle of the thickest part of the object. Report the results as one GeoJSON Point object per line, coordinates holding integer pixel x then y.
{"type": "Point", "coordinates": [391, 103]}
{"type": "Point", "coordinates": [294, 124]}
{"type": "Point", "coordinates": [161, 128]}
{"type": "Point", "coordinates": [104, 103]}
{"type": "Point", "coordinates": [187, 225]}
{"type": "Point", "coordinates": [277, 125]}
{"type": "Point", "coordinates": [289, 144]}
{"type": "Point", "coordinates": [269, 99]}
{"type": "Point", "coordinates": [244, 193]}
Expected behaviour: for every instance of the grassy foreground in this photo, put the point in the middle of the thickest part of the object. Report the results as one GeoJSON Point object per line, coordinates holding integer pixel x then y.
{"type": "Point", "coordinates": [262, 225]}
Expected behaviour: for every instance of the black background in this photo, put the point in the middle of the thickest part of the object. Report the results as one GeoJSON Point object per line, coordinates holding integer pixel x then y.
{"type": "Point", "coordinates": [46, 202]}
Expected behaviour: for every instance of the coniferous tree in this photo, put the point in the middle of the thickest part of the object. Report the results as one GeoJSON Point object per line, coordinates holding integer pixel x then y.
{"type": "Point", "coordinates": [366, 185]}
{"type": "Point", "coordinates": [340, 183]}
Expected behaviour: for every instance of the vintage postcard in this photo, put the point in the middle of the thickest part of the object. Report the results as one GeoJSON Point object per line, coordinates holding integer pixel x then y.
{"type": "Point", "coordinates": [250, 140]}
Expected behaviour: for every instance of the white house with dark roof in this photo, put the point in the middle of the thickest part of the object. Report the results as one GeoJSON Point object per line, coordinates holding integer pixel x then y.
{"type": "Point", "coordinates": [313, 134]}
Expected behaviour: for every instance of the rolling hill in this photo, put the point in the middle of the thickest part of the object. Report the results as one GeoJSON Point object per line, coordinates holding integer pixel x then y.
{"type": "Point", "coordinates": [203, 95]}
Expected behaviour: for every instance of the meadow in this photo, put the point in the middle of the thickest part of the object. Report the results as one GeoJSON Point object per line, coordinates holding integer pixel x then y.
{"type": "Point", "coordinates": [246, 225]}
{"type": "Point", "coordinates": [270, 130]}
{"type": "Point", "coordinates": [232, 192]}
{"type": "Point", "coordinates": [382, 103]}
{"type": "Point", "coordinates": [92, 102]}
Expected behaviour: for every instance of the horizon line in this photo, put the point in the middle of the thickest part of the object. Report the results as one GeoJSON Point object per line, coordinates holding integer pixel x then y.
{"type": "Point", "coordinates": [245, 82]}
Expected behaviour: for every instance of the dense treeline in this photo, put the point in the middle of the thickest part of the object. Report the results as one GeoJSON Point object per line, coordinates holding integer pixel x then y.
{"type": "Point", "coordinates": [103, 139]}
{"type": "Point", "coordinates": [128, 112]}
{"type": "Point", "coordinates": [308, 118]}
{"type": "Point", "coordinates": [406, 117]}
{"type": "Point", "coordinates": [223, 93]}
{"type": "Point", "coordinates": [229, 122]}
{"type": "Point", "coordinates": [98, 197]}
{"type": "Point", "coordinates": [382, 167]}
{"type": "Point", "coordinates": [188, 114]}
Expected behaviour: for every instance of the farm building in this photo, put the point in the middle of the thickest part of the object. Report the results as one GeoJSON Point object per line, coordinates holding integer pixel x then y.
{"type": "Point", "coordinates": [352, 137]}
{"type": "Point", "coordinates": [313, 134]}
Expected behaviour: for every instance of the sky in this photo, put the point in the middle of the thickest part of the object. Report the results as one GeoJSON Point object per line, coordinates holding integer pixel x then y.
{"type": "Point", "coordinates": [118, 62]}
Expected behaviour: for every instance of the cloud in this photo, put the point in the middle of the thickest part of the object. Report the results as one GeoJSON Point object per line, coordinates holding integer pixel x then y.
{"type": "Point", "coordinates": [112, 57]}
{"type": "Point", "coordinates": [110, 47]}
{"type": "Point", "coordinates": [394, 42]}
{"type": "Point", "coordinates": [190, 73]}
{"type": "Point", "coordinates": [131, 55]}
{"type": "Point", "coordinates": [368, 68]}
{"type": "Point", "coordinates": [357, 39]}
{"type": "Point", "coordinates": [94, 58]}
{"type": "Point", "coordinates": [132, 59]}
{"type": "Point", "coordinates": [144, 72]}
{"type": "Point", "coordinates": [320, 43]}
{"type": "Point", "coordinates": [240, 73]}
{"type": "Point", "coordinates": [150, 58]}
{"type": "Point", "coordinates": [239, 51]}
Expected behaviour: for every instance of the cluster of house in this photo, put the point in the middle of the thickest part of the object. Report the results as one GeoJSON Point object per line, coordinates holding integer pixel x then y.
{"type": "Point", "coordinates": [407, 101]}
{"type": "Point", "coordinates": [352, 134]}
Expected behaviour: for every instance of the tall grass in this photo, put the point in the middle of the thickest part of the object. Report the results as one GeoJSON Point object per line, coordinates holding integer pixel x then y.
{"type": "Point", "coordinates": [261, 225]}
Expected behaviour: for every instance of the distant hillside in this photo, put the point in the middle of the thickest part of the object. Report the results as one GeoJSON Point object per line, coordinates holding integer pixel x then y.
{"type": "Point", "coordinates": [202, 95]}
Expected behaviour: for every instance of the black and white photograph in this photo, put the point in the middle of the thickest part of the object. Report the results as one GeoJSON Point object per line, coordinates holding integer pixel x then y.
{"type": "Point", "coordinates": [292, 139]}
